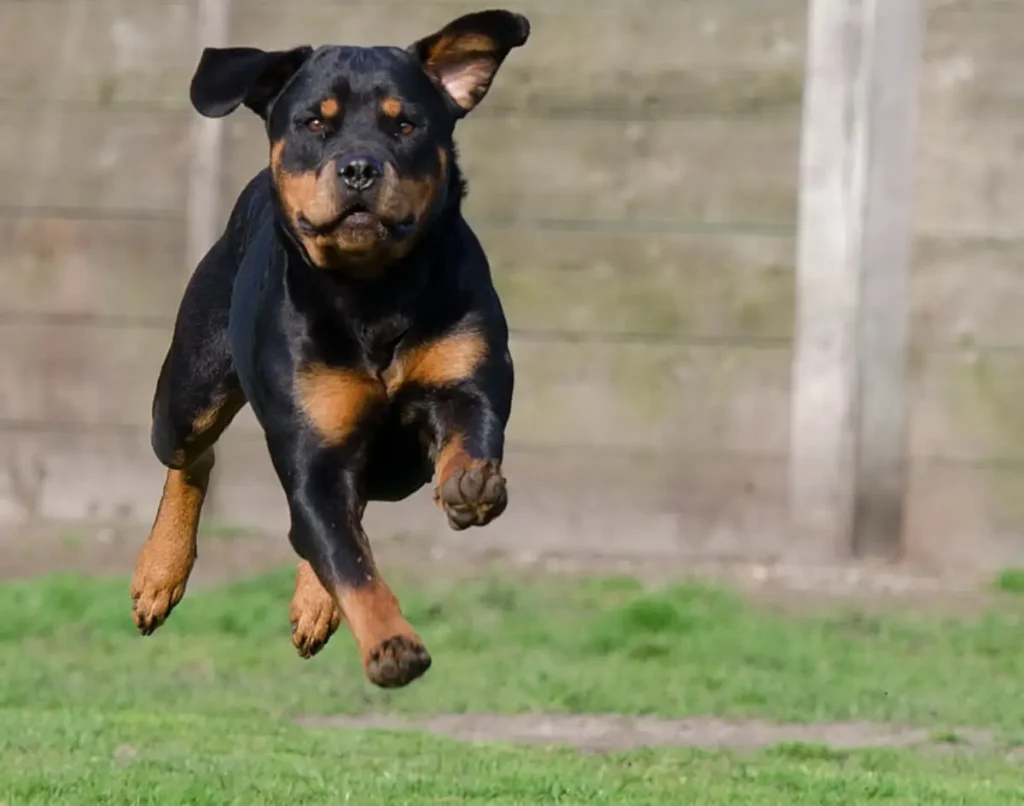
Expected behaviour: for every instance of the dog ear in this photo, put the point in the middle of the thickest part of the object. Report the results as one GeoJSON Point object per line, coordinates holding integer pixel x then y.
{"type": "Point", "coordinates": [463, 57]}
{"type": "Point", "coordinates": [228, 77]}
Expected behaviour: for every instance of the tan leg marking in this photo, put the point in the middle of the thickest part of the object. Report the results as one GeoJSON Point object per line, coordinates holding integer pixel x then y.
{"type": "Point", "coordinates": [165, 561]}
{"type": "Point", "coordinates": [314, 613]}
{"type": "Point", "coordinates": [393, 654]}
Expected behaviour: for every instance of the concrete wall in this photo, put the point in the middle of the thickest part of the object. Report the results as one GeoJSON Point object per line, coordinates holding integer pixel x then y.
{"type": "Point", "coordinates": [633, 177]}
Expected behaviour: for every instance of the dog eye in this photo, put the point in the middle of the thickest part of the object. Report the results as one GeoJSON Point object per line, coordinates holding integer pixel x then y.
{"type": "Point", "coordinates": [406, 128]}
{"type": "Point", "coordinates": [315, 125]}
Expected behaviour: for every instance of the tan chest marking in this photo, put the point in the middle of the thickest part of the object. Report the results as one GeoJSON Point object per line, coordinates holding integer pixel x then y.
{"type": "Point", "coordinates": [336, 400]}
{"type": "Point", "coordinates": [437, 363]}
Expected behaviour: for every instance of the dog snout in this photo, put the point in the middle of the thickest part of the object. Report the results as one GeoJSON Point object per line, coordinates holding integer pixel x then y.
{"type": "Point", "coordinates": [359, 172]}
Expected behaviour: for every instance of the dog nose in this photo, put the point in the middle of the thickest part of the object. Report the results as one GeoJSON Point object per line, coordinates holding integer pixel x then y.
{"type": "Point", "coordinates": [359, 172]}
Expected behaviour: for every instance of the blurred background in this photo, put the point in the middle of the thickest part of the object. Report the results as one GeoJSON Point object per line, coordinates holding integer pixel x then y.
{"type": "Point", "coordinates": [634, 177]}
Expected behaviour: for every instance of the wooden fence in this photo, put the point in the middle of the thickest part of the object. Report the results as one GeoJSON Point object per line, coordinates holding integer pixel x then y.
{"type": "Point", "coordinates": [634, 178]}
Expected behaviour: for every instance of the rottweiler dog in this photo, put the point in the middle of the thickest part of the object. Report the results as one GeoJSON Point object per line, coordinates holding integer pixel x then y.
{"type": "Point", "coordinates": [351, 306]}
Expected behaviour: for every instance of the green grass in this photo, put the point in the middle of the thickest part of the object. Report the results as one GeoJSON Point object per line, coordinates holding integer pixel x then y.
{"type": "Point", "coordinates": [600, 646]}
{"type": "Point", "coordinates": [1010, 581]}
{"type": "Point", "coordinates": [200, 712]}
{"type": "Point", "coordinates": [135, 757]}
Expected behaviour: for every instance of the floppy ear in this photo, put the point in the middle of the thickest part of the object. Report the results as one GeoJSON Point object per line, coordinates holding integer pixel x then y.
{"type": "Point", "coordinates": [229, 77]}
{"type": "Point", "coordinates": [463, 57]}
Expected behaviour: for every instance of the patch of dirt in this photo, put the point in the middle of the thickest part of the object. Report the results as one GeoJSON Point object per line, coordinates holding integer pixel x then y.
{"type": "Point", "coordinates": [610, 733]}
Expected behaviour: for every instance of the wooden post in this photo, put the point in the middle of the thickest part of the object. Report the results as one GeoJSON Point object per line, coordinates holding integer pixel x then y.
{"type": "Point", "coordinates": [848, 428]}
{"type": "Point", "coordinates": [203, 215]}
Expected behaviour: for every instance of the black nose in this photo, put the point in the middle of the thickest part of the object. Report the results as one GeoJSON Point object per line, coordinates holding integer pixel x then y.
{"type": "Point", "coordinates": [359, 172]}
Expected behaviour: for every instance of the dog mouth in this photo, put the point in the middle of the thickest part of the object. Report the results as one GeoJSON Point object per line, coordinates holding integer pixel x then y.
{"type": "Point", "coordinates": [357, 218]}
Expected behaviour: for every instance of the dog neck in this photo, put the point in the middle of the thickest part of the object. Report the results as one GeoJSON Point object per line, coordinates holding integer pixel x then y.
{"type": "Point", "coordinates": [376, 311]}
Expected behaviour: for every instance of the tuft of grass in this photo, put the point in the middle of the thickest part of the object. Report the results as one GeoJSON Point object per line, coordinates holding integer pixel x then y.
{"type": "Point", "coordinates": [808, 752]}
{"type": "Point", "coordinates": [1010, 580]}
{"type": "Point", "coordinates": [950, 737]}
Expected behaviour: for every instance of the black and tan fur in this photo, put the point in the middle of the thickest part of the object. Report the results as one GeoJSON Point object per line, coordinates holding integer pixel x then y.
{"type": "Point", "coordinates": [350, 305]}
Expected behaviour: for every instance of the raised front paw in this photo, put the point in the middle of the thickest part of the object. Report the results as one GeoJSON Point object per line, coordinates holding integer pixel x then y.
{"type": "Point", "coordinates": [314, 614]}
{"type": "Point", "coordinates": [397, 661]}
{"type": "Point", "coordinates": [473, 494]}
{"type": "Point", "coordinates": [158, 585]}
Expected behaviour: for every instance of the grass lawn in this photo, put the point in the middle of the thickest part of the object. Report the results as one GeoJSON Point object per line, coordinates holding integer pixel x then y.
{"type": "Point", "coordinates": [201, 712]}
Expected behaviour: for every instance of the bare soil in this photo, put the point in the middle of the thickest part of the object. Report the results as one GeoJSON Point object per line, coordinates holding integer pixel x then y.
{"type": "Point", "coordinates": [609, 733]}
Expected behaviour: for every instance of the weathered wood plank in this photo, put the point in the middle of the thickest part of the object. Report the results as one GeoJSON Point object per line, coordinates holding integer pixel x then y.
{"type": "Point", "coordinates": [95, 159]}
{"type": "Point", "coordinates": [967, 406]}
{"type": "Point", "coordinates": [78, 374]}
{"type": "Point", "coordinates": [687, 287]}
{"type": "Point", "coordinates": [960, 518]}
{"type": "Point", "coordinates": [652, 33]}
{"type": "Point", "coordinates": [97, 50]}
{"type": "Point", "coordinates": [965, 291]}
{"type": "Point", "coordinates": [611, 503]}
{"type": "Point", "coordinates": [963, 519]}
{"type": "Point", "coordinates": [671, 170]}
{"type": "Point", "coordinates": [701, 57]}
{"type": "Point", "coordinates": [664, 171]}
{"type": "Point", "coordinates": [628, 395]}
{"type": "Point", "coordinates": [704, 286]}
{"type": "Point", "coordinates": [973, 61]}
{"type": "Point", "coordinates": [598, 499]}
{"type": "Point", "coordinates": [654, 396]}
{"type": "Point", "coordinates": [135, 161]}
{"type": "Point", "coordinates": [91, 268]}
{"type": "Point", "coordinates": [698, 57]}
{"type": "Point", "coordinates": [968, 292]}
{"type": "Point", "coordinates": [710, 171]}
{"type": "Point", "coordinates": [969, 177]}
{"type": "Point", "coordinates": [707, 171]}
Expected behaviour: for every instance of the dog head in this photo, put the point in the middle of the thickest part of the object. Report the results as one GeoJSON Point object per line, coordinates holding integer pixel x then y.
{"type": "Point", "coordinates": [361, 150]}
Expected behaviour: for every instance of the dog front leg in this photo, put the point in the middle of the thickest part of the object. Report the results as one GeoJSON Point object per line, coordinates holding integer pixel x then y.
{"type": "Point", "coordinates": [327, 532]}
